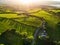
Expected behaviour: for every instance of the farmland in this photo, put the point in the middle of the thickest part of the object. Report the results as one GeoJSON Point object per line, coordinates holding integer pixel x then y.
{"type": "Point", "coordinates": [22, 26]}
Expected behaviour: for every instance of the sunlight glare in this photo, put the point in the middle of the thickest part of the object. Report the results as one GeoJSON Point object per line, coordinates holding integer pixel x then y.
{"type": "Point", "coordinates": [28, 2]}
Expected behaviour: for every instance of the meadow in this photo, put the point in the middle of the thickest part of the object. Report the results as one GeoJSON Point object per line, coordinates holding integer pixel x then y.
{"type": "Point", "coordinates": [18, 28]}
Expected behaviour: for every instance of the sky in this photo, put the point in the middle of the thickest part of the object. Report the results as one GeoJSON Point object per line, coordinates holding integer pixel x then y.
{"type": "Point", "coordinates": [55, 3]}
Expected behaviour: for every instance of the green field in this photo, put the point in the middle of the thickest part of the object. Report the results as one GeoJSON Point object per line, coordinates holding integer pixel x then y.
{"type": "Point", "coordinates": [25, 25]}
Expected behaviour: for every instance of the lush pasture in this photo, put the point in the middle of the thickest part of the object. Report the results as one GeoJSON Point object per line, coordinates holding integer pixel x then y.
{"type": "Point", "coordinates": [27, 26]}
{"type": "Point", "coordinates": [9, 15]}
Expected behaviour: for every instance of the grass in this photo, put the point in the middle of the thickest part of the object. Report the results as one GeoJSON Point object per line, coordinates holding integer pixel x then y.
{"type": "Point", "coordinates": [9, 15]}
{"type": "Point", "coordinates": [51, 19]}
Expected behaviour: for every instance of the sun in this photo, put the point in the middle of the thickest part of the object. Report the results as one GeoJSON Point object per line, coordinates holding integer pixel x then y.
{"type": "Point", "coordinates": [28, 2]}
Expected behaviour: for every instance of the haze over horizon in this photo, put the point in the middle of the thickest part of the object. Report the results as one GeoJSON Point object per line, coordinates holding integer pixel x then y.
{"type": "Point", "coordinates": [55, 3]}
